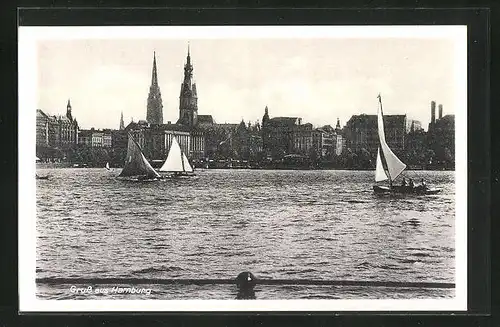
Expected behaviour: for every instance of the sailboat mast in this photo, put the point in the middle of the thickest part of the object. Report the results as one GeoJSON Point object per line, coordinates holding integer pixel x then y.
{"type": "Point", "coordinates": [384, 159]}
{"type": "Point", "coordinates": [182, 161]}
{"type": "Point", "coordinates": [380, 101]}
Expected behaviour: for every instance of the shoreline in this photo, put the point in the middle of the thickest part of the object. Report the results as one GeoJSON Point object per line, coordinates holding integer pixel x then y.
{"type": "Point", "coordinates": [68, 165]}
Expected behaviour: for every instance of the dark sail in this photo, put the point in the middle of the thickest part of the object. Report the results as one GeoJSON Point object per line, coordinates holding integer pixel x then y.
{"type": "Point", "coordinates": [135, 162]}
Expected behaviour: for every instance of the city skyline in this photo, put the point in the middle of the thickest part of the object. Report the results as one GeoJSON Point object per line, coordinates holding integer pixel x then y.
{"type": "Point", "coordinates": [307, 78]}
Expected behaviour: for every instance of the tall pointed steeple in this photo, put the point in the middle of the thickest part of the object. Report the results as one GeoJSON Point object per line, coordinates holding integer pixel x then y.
{"type": "Point", "coordinates": [265, 118]}
{"type": "Point", "coordinates": [122, 123]}
{"type": "Point", "coordinates": [155, 106]}
{"type": "Point", "coordinates": [188, 70]}
{"type": "Point", "coordinates": [266, 131]}
{"type": "Point", "coordinates": [338, 124]}
{"type": "Point", "coordinates": [154, 74]}
{"type": "Point", "coordinates": [68, 111]}
{"type": "Point", "coordinates": [188, 99]}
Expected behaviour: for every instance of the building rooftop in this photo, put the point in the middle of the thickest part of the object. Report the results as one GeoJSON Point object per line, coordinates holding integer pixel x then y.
{"type": "Point", "coordinates": [363, 118]}
{"type": "Point", "coordinates": [205, 119]}
{"type": "Point", "coordinates": [157, 127]}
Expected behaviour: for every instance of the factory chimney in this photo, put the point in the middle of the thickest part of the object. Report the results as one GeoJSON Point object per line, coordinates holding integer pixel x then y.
{"type": "Point", "coordinates": [440, 109]}
{"type": "Point", "coordinates": [433, 112]}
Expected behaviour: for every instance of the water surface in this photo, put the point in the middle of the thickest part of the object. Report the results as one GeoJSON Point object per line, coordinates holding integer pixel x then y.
{"type": "Point", "coordinates": [276, 224]}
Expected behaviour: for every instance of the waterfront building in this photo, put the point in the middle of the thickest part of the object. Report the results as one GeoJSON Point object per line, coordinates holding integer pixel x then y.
{"type": "Point", "coordinates": [325, 139]}
{"type": "Point", "coordinates": [85, 137]}
{"type": "Point", "coordinates": [286, 135]}
{"type": "Point", "coordinates": [42, 128]}
{"type": "Point", "coordinates": [441, 136]}
{"type": "Point", "coordinates": [413, 125]}
{"type": "Point", "coordinates": [361, 133]}
{"type": "Point", "coordinates": [302, 138]}
{"type": "Point", "coordinates": [56, 131]}
{"type": "Point", "coordinates": [68, 128]}
{"type": "Point", "coordinates": [106, 138]}
{"type": "Point", "coordinates": [154, 113]}
{"type": "Point", "coordinates": [340, 144]}
{"type": "Point", "coordinates": [96, 138]}
{"type": "Point", "coordinates": [119, 139]}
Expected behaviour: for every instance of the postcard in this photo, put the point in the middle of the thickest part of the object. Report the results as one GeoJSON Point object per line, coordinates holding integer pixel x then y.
{"type": "Point", "coordinates": [243, 168]}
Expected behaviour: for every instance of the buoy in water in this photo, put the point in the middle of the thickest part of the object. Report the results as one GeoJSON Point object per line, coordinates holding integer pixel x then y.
{"type": "Point", "coordinates": [246, 282]}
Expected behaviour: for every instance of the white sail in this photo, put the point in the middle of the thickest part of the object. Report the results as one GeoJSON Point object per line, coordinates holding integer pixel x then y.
{"type": "Point", "coordinates": [380, 173]}
{"type": "Point", "coordinates": [107, 165]}
{"type": "Point", "coordinates": [187, 166]}
{"type": "Point", "coordinates": [394, 165]}
{"type": "Point", "coordinates": [174, 159]}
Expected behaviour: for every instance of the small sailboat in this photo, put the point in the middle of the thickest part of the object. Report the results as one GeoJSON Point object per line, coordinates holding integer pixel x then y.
{"type": "Point", "coordinates": [107, 166]}
{"type": "Point", "coordinates": [137, 167]}
{"type": "Point", "coordinates": [389, 167]}
{"type": "Point", "coordinates": [177, 164]}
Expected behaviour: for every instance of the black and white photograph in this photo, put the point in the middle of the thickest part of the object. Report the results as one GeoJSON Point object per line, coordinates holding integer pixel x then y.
{"type": "Point", "coordinates": [234, 168]}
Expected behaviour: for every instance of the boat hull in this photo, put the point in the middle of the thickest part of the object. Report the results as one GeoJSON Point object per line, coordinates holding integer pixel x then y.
{"type": "Point", "coordinates": [417, 190]}
{"type": "Point", "coordinates": [179, 175]}
{"type": "Point", "coordinates": [139, 178]}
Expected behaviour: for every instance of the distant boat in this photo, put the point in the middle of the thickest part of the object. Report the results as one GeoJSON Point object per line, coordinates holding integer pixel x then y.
{"type": "Point", "coordinates": [107, 166]}
{"type": "Point", "coordinates": [389, 167]}
{"type": "Point", "coordinates": [177, 163]}
{"type": "Point", "coordinates": [37, 159]}
{"type": "Point", "coordinates": [41, 177]}
{"type": "Point", "coordinates": [137, 168]}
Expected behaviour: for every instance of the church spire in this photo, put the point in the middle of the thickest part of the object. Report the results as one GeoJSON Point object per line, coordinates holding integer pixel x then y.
{"type": "Point", "coordinates": [68, 111]}
{"type": "Point", "coordinates": [154, 113]}
{"type": "Point", "coordinates": [188, 99]}
{"type": "Point", "coordinates": [154, 75]}
{"type": "Point", "coordinates": [188, 69]}
{"type": "Point", "coordinates": [122, 123]}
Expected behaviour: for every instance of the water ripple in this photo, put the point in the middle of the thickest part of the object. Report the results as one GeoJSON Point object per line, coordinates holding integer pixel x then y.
{"type": "Point", "coordinates": [277, 224]}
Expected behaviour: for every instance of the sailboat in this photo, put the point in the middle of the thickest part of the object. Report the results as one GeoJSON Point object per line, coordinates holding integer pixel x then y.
{"type": "Point", "coordinates": [107, 166]}
{"type": "Point", "coordinates": [137, 168]}
{"type": "Point", "coordinates": [389, 166]}
{"type": "Point", "coordinates": [177, 163]}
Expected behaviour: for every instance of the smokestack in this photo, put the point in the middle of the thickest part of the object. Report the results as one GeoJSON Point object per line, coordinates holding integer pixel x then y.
{"type": "Point", "coordinates": [440, 109]}
{"type": "Point", "coordinates": [433, 112]}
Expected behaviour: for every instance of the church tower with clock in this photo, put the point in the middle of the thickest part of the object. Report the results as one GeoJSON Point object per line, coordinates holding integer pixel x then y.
{"type": "Point", "coordinates": [188, 99]}
{"type": "Point", "coordinates": [155, 106]}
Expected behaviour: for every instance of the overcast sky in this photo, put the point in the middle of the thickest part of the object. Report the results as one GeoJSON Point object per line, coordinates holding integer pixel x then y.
{"type": "Point", "coordinates": [316, 79]}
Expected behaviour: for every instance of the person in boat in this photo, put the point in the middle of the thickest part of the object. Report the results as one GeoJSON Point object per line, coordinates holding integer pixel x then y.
{"type": "Point", "coordinates": [403, 183]}
{"type": "Point", "coordinates": [423, 184]}
{"type": "Point", "coordinates": [411, 183]}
